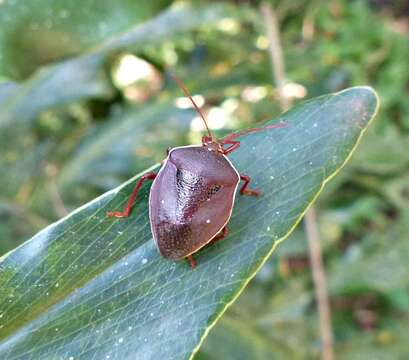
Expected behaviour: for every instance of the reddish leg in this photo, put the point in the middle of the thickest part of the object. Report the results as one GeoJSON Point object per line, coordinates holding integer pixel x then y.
{"type": "Point", "coordinates": [127, 210]}
{"type": "Point", "coordinates": [234, 145]}
{"type": "Point", "coordinates": [244, 189]}
{"type": "Point", "coordinates": [221, 235]}
{"type": "Point", "coordinates": [192, 261]}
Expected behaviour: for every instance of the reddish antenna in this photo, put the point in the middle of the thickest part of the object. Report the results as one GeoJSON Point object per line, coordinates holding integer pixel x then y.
{"type": "Point", "coordinates": [186, 92]}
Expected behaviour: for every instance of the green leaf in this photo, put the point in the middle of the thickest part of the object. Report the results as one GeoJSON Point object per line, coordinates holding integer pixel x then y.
{"type": "Point", "coordinates": [377, 263]}
{"type": "Point", "coordinates": [90, 287]}
{"type": "Point", "coordinates": [266, 322]}
{"type": "Point", "coordinates": [6, 90]}
{"type": "Point", "coordinates": [42, 31]}
{"type": "Point", "coordinates": [111, 151]}
{"type": "Point", "coordinates": [233, 339]}
{"type": "Point", "coordinates": [48, 86]}
{"type": "Point", "coordinates": [388, 343]}
{"type": "Point", "coordinates": [115, 151]}
{"type": "Point", "coordinates": [383, 153]}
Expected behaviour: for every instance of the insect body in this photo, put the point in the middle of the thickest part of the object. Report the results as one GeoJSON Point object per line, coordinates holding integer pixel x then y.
{"type": "Point", "coordinates": [192, 196]}
{"type": "Point", "coordinates": [191, 199]}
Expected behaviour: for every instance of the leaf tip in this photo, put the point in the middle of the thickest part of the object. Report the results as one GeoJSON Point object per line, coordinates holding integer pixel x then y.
{"type": "Point", "coordinates": [364, 101]}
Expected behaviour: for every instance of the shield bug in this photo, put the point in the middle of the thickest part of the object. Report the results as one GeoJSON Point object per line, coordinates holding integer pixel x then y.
{"type": "Point", "coordinates": [192, 196]}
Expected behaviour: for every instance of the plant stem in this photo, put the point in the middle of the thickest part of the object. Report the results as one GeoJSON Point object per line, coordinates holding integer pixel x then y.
{"type": "Point", "coordinates": [320, 284]}
{"type": "Point", "coordinates": [276, 53]}
{"type": "Point", "coordinates": [310, 221]}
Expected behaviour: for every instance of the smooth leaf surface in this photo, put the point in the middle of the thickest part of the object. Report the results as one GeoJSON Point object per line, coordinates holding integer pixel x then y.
{"type": "Point", "coordinates": [93, 287]}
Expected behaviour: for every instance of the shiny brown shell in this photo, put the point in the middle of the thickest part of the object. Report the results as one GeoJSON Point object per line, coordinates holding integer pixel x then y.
{"type": "Point", "coordinates": [191, 199]}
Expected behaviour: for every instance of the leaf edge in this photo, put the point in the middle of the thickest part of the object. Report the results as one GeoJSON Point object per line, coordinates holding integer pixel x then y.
{"type": "Point", "coordinates": [279, 241]}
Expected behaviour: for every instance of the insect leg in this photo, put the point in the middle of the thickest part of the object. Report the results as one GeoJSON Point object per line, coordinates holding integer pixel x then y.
{"type": "Point", "coordinates": [244, 189]}
{"type": "Point", "coordinates": [221, 235]}
{"type": "Point", "coordinates": [233, 145]}
{"type": "Point", "coordinates": [192, 261]}
{"type": "Point", "coordinates": [229, 139]}
{"type": "Point", "coordinates": [127, 210]}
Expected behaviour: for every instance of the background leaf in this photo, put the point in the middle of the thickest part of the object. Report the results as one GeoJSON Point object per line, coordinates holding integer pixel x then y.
{"type": "Point", "coordinates": [42, 31]}
{"type": "Point", "coordinates": [26, 152]}
{"type": "Point", "coordinates": [91, 286]}
{"type": "Point", "coordinates": [232, 339]}
{"type": "Point", "coordinates": [48, 87]}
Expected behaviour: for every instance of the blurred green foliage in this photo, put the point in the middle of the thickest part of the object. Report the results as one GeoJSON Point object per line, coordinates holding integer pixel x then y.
{"type": "Point", "coordinates": [58, 154]}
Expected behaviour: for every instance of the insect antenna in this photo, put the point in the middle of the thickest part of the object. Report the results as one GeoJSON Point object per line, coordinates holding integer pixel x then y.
{"type": "Point", "coordinates": [187, 94]}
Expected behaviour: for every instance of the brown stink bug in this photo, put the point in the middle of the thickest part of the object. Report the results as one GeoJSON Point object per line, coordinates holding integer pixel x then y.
{"type": "Point", "coordinates": [192, 196]}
